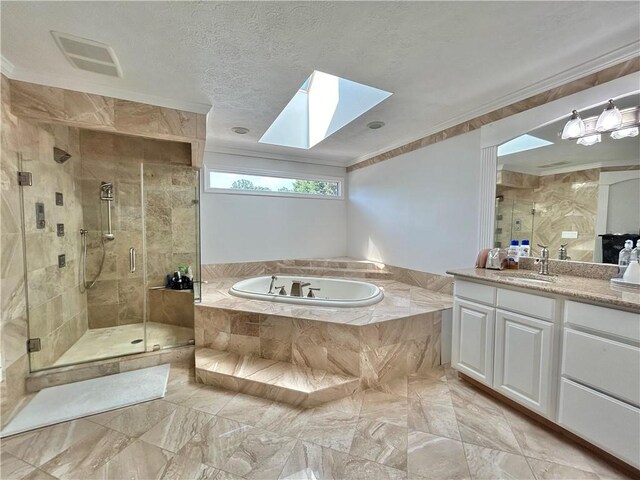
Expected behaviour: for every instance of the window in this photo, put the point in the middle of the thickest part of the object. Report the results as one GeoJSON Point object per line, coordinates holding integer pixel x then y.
{"type": "Point", "coordinates": [253, 182]}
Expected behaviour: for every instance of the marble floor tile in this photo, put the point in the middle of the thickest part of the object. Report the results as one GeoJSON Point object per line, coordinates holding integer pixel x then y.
{"type": "Point", "coordinates": [261, 455]}
{"type": "Point", "coordinates": [331, 428]}
{"type": "Point", "coordinates": [482, 423]}
{"type": "Point", "coordinates": [40, 446]}
{"type": "Point", "coordinates": [139, 419]}
{"type": "Point", "coordinates": [436, 458]}
{"type": "Point", "coordinates": [309, 461]}
{"type": "Point", "coordinates": [216, 442]}
{"type": "Point", "coordinates": [285, 419]}
{"type": "Point", "coordinates": [182, 468]}
{"type": "Point", "coordinates": [139, 461]}
{"type": "Point", "coordinates": [359, 469]}
{"type": "Point", "coordinates": [12, 468]}
{"type": "Point", "coordinates": [246, 409]}
{"type": "Point", "coordinates": [38, 474]}
{"type": "Point", "coordinates": [380, 442]}
{"type": "Point", "coordinates": [209, 399]}
{"type": "Point", "coordinates": [486, 463]}
{"type": "Point", "coordinates": [87, 459]}
{"type": "Point", "coordinates": [554, 471]}
{"type": "Point", "coordinates": [385, 407]}
{"type": "Point", "coordinates": [435, 418]}
{"type": "Point", "coordinates": [541, 443]}
{"type": "Point", "coordinates": [175, 430]}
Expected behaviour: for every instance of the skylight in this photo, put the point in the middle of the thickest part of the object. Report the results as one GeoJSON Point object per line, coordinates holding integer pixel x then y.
{"type": "Point", "coordinates": [322, 106]}
{"type": "Point", "coordinates": [521, 144]}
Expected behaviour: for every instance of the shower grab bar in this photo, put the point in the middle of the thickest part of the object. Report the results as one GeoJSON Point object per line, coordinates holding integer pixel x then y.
{"type": "Point", "coordinates": [132, 260]}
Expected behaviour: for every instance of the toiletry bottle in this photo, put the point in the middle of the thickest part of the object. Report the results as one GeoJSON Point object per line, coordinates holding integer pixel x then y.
{"type": "Point", "coordinates": [525, 249]}
{"type": "Point", "coordinates": [513, 254]}
{"type": "Point", "coordinates": [635, 253]}
{"type": "Point", "coordinates": [625, 254]}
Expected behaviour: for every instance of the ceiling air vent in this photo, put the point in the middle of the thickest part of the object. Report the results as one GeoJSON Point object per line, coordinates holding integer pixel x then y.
{"type": "Point", "coordinates": [551, 165]}
{"type": "Point", "coordinates": [88, 55]}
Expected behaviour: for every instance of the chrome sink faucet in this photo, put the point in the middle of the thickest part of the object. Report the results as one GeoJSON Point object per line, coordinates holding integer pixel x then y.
{"type": "Point", "coordinates": [543, 261]}
{"type": "Point", "coordinates": [296, 288]}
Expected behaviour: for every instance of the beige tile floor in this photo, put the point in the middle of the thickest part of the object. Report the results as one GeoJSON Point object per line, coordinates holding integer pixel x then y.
{"type": "Point", "coordinates": [444, 429]}
{"type": "Point", "coordinates": [110, 342]}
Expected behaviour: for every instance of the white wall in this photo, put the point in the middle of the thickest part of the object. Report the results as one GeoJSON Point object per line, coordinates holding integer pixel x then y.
{"type": "Point", "coordinates": [623, 213]}
{"type": "Point", "coordinates": [246, 228]}
{"type": "Point", "coordinates": [419, 210]}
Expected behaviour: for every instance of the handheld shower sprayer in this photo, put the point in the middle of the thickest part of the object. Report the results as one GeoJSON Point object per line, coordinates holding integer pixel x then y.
{"type": "Point", "coordinates": [106, 195]}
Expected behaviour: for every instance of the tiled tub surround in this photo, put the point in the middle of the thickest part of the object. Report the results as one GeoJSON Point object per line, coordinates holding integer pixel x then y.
{"type": "Point", "coordinates": [333, 267]}
{"type": "Point", "coordinates": [378, 345]}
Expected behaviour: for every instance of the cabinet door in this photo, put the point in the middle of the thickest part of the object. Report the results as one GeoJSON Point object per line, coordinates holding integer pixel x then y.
{"type": "Point", "coordinates": [523, 366]}
{"type": "Point", "coordinates": [472, 349]}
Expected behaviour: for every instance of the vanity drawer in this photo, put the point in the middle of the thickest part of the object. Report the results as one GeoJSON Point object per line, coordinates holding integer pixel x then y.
{"type": "Point", "coordinates": [476, 291]}
{"type": "Point", "coordinates": [606, 365]}
{"type": "Point", "coordinates": [527, 303]}
{"type": "Point", "coordinates": [606, 422]}
{"type": "Point", "coordinates": [625, 325]}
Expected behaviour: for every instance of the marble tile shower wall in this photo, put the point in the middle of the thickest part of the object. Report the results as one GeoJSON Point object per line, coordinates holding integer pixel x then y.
{"type": "Point", "coordinates": [567, 201]}
{"type": "Point", "coordinates": [169, 216]}
{"type": "Point", "coordinates": [13, 305]}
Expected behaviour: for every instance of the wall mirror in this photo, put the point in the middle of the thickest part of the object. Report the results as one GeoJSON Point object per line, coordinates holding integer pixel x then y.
{"type": "Point", "coordinates": [580, 192]}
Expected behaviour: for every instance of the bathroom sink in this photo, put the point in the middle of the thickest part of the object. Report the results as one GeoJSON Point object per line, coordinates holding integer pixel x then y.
{"type": "Point", "coordinates": [528, 278]}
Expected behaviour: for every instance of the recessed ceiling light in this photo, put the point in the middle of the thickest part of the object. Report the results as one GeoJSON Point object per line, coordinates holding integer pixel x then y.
{"type": "Point", "coordinates": [322, 105]}
{"type": "Point", "coordinates": [375, 125]}
{"type": "Point", "coordinates": [240, 130]}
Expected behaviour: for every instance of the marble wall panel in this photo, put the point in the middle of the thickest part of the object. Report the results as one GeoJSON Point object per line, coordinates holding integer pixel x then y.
{"type": "Point", "coordinates": [172, 307]}
{"type": "Point", "coordinates": [131, 164]}
{"type": "Point", "coordinates": [562, 202]}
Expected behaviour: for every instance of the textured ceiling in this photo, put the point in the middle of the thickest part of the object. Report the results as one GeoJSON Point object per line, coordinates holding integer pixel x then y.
{"type": "Point", "coordinates": [442, 60]}
{"type": "Point", "coordinates": [609, 152]}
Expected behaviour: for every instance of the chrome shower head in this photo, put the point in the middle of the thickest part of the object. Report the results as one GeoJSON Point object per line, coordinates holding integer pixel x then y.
{"type": "Point", "coordinates": [60, 156]}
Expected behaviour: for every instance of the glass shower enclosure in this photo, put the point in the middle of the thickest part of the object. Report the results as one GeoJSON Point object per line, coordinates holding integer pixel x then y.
{"type": "Point", "coordinates": [102, 229]}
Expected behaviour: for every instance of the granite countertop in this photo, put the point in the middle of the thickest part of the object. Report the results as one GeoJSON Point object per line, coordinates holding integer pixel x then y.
{"type": "Point", "coordinates": [400, 301]}
{"type": "Point", "coordinates": [581, 288]}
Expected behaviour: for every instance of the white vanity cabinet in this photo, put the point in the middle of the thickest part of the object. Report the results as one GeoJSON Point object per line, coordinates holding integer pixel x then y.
{"type": "Point", "coordinates": [574, 363]}
{"type": "Point", "coordinates": [600, 378]}
{"type": "Point", "coordinates": [505, 339]}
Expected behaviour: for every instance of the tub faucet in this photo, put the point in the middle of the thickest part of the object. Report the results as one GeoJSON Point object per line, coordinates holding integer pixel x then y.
{"type": "Point", "coordinates": [296, 288]}
{"type": "Point", "coordinates": [543, 261]}
{"type": "Point", "coordinates": [273, 281]}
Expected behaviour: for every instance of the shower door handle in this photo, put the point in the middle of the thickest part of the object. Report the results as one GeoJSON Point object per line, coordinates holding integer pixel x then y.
{"type": "Point", "coordinates": [132, 260]}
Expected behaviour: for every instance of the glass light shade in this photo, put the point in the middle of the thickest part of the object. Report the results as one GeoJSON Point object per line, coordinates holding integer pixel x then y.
{"type": "Point", "coordinates": [574, 128]}
{"type": "Point", "coordinates": [625, 132]}
{"type": "Point", "coordinates": [590, 140]}
{"type": "Point", "coordinates": [609, 119]}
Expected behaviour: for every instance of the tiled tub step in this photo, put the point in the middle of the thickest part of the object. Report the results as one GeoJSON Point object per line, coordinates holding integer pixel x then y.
{"type": "Point", "coordinates": [271, 379]}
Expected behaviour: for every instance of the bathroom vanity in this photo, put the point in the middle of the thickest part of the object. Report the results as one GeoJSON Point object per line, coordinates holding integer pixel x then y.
{"type": "Point", "coordinates": [567, 349]}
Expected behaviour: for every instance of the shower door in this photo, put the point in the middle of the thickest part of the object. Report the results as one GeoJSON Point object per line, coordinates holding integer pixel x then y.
{"type": "Point", "coordinates": [83, 224]}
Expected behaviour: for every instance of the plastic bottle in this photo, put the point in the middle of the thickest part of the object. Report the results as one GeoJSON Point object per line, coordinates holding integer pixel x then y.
{"type": "Point", "coordinates": [632, 273]}
{"type": "Point", "coordinates": [513, 254]}
{"type": "Point", "coordinates": [625, 254]}
{"type": "Point", "coordinates": [525, 249]}
{"type": "Point", "coordinates": [635, 253]}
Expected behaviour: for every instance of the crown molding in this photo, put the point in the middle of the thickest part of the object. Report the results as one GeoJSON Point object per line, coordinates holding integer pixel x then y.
{"type": "Point", "coordinates": [619, 55]}
{"type": "Point", "coordinates": [543, 172]}
{"type": "Point", "coordinates": [71, 83]}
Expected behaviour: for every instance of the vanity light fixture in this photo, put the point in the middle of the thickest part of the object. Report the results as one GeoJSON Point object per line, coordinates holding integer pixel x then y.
{"type": "Point", "coordinates": [624, 133]}
{"type": "Point", "coordinates": [240, 130]}
{"type": "Point", "coordinates": [609, 119]}
{"type": "Point", "coordinates": [574, 128]}
{"type": "Point", "coordinates": [590, 140]}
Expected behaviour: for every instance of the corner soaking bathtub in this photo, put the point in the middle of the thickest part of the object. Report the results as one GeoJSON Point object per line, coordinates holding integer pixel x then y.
{"type": "Point", "coordinates": [333, 292]}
